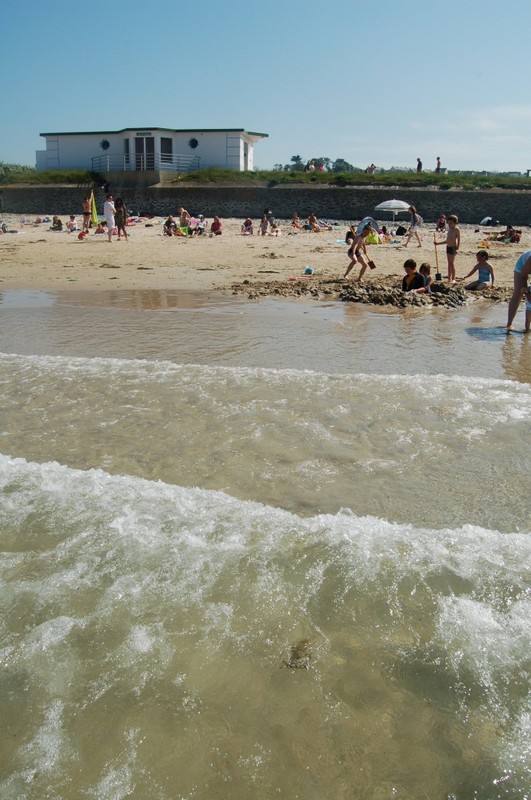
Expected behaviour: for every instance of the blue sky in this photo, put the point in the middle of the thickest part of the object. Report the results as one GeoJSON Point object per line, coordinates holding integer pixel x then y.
{"type": "Point", "coordinates": [380, 82]}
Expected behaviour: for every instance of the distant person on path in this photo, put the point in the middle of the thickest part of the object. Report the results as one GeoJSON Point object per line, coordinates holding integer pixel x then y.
{"type": "Point", "coordinates": [419, 165]}
{"type": "Point", "coordinates": [484, 270]}
{"type": "Point", "coordinates": [109, 212]}
{"type": "Point", "coordinates": [87, 213]}
{"type": "Point", "coordinates": [438, 165]}
{"type": "Point", "coordinates": [414, 228]}
{"type": "Point", "coordinates": [452, 242]}
{"type": "Point", "coordinates": [522, 270]}
{"type": "Point", "coordinates": [357, 251]}
{"type": "Point", "coordinates": [121, 217]}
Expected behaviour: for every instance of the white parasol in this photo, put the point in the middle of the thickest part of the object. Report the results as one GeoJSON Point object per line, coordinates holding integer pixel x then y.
{"type": "Point", "coordinates": [394, 206]}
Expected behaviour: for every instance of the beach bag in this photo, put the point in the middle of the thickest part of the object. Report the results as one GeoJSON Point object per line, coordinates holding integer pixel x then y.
{"type": "Point", "coordinates": [401, 231]}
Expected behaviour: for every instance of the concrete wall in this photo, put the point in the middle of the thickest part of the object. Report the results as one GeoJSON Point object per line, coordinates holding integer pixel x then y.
{"type": "Point", "coordinates": [345, 203]}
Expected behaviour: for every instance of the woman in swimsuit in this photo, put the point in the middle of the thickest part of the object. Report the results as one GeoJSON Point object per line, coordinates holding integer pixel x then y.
{"type": "Point", "coordinates": [357, 251]}
{"type": "Point", "coordinates": [414, 228]}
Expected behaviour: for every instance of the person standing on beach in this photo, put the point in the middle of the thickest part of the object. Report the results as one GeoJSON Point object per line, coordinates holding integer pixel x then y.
{"type": "Point", "coordinates": [108, 212]}
{"type": "Point", "coordinates": [414, 228]}
{"type": "Point", "coordinates": [527, 328]}
{"type": "Point", "coordinates": [452, 242]}
{"type": "Point", "coordinates": [121, 217]}
{"type": "Point", "coordinates": [357, 251]}
{"type": "Point", "coordinates": [419, 165]}
{"type": "Point", "coordinates": [522, 270]}
{"type": "Point", "coordinates": [86, 213]}
{"type": "Point", "coordinates": [438, 165]}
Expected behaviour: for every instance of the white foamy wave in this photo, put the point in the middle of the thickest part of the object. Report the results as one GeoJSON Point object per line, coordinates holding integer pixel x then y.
{"type": "Point", "coordinates": [117, 587]}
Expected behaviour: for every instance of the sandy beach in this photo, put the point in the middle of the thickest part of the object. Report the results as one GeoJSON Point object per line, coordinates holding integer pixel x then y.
{"type": "Point", "coordinates": [34, 257]}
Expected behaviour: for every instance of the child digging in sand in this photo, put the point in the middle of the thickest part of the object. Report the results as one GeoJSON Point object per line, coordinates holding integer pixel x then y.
{"type": "Point", "coordinates": [484, 270]}
{"type": "Point", "coordinates": [425, 271]}
{"type": "Point", "coordinates": [452, 242]}
{"type": "Point", "coordinates": [357, 250]}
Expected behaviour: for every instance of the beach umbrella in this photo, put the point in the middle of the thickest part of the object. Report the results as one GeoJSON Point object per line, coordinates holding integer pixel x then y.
{"type": "Point", "coordinates": [394, 206]}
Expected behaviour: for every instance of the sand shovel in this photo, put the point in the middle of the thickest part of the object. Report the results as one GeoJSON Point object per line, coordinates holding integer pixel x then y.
{"type": "Point", "coordinates": [438, 276]}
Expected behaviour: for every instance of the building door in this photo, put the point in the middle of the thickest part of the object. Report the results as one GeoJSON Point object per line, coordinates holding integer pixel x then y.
{"type": "Point", "coordinates": [145, 152]}
{"type": "Point", "coordinates": [166, 150]}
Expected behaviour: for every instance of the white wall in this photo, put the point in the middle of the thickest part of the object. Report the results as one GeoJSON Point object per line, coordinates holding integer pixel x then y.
{"type": "Point", "coordinates": [215, 148]}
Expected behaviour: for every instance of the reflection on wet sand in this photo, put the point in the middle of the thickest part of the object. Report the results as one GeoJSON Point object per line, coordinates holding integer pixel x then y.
{"type": "Point", "coordinates": [146, 300]}
{"type": "Point", "coordinates": [516, 354]}
{"type": "Point", "coordinates": [220, 329]}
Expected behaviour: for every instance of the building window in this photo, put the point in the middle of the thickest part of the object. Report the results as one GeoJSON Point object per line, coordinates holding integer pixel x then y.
{"type": "Point", "coordinates": [166, 149]}
{"type": "Point", "coordinates": [193, 143]}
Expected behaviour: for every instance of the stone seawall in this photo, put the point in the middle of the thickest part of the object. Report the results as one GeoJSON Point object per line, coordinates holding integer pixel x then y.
{"type": "Point", "coordinates": [352, 203]}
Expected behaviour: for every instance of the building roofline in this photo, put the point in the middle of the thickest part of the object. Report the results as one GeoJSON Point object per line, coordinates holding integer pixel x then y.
{"type": "Point", "coordinates": [156, 128]}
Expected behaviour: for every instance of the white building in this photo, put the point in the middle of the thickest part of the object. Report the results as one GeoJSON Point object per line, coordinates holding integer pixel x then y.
{"type": "Point", "coordinates": [149, 150]}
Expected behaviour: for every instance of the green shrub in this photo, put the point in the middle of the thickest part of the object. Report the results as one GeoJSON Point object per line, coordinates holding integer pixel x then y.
{"type": "Point", "coordinates": [15, 173]}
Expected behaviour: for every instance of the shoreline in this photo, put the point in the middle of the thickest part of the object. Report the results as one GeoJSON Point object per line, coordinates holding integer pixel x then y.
{"type": "Point", "coordinates": [36, 258]}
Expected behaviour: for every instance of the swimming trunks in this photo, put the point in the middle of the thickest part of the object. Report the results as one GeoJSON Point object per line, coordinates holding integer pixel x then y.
{"type": "Point", "coordinates": [451, 251]}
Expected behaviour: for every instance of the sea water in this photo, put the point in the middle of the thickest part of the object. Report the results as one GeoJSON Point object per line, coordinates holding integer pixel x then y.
{"type": "Point", "coordinates": [262, 550]}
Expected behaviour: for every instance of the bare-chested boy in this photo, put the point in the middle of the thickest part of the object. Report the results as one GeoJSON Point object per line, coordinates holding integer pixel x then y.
{"type": "Point", "coordinates": [452, 242]}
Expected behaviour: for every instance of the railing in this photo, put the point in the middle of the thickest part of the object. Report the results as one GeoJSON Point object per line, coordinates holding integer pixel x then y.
{"type": "Point", "coordinates": [143, 162]}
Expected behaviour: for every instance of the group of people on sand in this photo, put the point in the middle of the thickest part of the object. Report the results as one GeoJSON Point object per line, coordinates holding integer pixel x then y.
{"type": "Point", "coordinates": [312, 223]}
{"type": "Point", "coordinates": [268, 224]}
{"type": "Point", "coordinates": [420, 281]}
{"type": "Point", "coordinates": [357, 254]}
{"type": "Point", "coordinates": [186, 225]}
